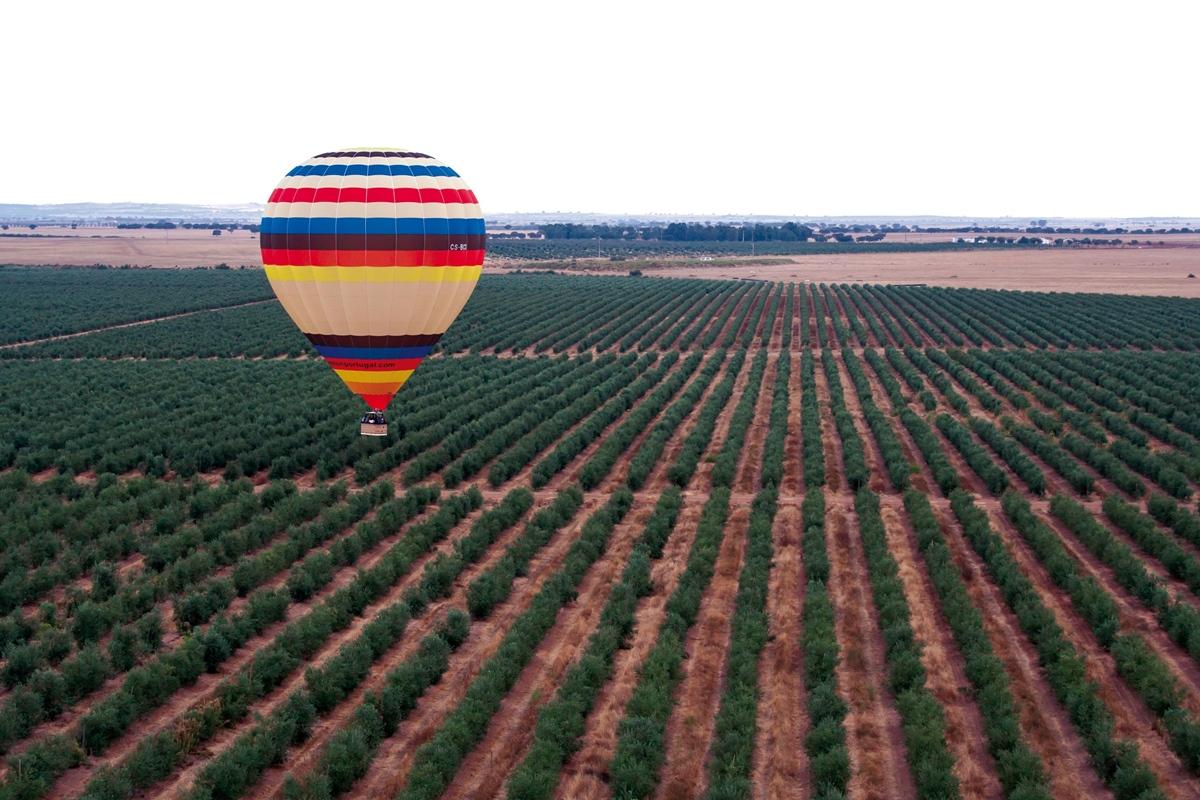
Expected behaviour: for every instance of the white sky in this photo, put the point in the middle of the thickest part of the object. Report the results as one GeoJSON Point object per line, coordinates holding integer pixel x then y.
{"type": "Point", "coordinates": [1005, 108]}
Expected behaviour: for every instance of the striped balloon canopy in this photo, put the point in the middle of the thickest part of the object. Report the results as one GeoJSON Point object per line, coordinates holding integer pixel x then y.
{"type": "Point", "coordinates": [373, 252]}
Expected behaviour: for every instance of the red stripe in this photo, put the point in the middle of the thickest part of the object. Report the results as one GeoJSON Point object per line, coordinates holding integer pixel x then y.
{"type": "Point", "coordinates": [377, 402]}
{"type": "Point", "coordinates": [371, 194]}
{"type": "Point", "coordinates": [374, 364]}
{"type": "Point", "coordinates": [372, 258]}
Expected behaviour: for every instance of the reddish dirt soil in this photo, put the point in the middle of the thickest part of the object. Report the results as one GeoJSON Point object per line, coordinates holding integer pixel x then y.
{"type": "Point", "coordinates": [751, 456]}
{"type": "Point", "coordinates": [1044, 722]}
{"type": "Point", "coordinates": [1133, 719]}
{"type": "Point", "coordinates": [874, 737]}
{"type": "Point", "coordinates": [698, 696]}
{"type": "Point", "coordinates": [64, 722]}
{"type": "Point", "coordinates": [585, 774]}
{"type": "Point", "coordinates": [879, 482]}
{"type": "Point", "coordinates": [829, 434]}
{"type": "Point", "coordinates": [394, 757]}
{"type": "Point", "coordinates": [205, 689]}
{"type": "Point", "coordinates": [780, 761]}
{"type": "Point", "coordinates": [484, 772]}
{"type": "Point", "coordinates": [306, 757]}
{"type": "Point", "coordinates": [946, 676]}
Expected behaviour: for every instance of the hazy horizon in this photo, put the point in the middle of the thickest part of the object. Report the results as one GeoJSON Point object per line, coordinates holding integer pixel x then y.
{"type": "Point", "coordinates": [250, 210]}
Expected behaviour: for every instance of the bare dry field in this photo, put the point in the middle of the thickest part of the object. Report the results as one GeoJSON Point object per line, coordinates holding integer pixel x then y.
{"type": "Point", "coordinates": [1179, 239]}
{"type": "Point", "coordinates": [137, 247]}
{"type": "Point", "coordinates": [1147, 271]}
{"type": "Point", "coordinates": [1121, 270]}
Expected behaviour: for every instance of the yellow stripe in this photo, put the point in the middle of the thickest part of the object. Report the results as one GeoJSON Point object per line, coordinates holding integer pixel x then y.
{"type": "Point", "coordinates": [374, 388]}
{"type": "Point", "coordinates": [373, 376]}
{"type": "Point", "coordinates": [374, 274]}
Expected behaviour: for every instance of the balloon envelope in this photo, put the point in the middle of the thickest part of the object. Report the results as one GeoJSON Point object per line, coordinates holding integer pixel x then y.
{"type": "Point", "coordinates": [373, 252]}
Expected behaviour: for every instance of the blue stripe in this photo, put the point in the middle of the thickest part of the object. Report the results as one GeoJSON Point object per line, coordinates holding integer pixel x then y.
{"type": "Point", "coordinates": [419, 351]}
{"type": "Point", "coordinates": [373, 169]}
{"type": "Point", "coordinates": [351, 226]}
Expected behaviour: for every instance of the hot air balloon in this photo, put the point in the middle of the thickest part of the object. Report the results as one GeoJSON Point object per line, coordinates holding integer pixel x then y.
{"type": "Point", "coordinates": [373, 252]}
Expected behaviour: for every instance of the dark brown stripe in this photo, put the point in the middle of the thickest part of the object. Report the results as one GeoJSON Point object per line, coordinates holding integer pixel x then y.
{"type": "Point", "coordinates": [371, 154]}
{"type": "Point", "coordinates": [371, 241]}
{"type": "Point", "coordinates": [347, 340]}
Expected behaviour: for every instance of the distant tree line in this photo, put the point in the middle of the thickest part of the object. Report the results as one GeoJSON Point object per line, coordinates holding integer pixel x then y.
{"type": "Point", "coordinates": [686, 232]}
{"type": "Point", "coordinates": [167, 225]}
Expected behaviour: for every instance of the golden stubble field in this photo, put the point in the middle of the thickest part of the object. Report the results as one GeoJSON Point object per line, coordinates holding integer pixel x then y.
{"type": "Point", "coordinates": [1126, 270]}
{"type": "Point", "coordinates": [137, 247]}
{"type": "Point", "coordinates": [1123, 270]}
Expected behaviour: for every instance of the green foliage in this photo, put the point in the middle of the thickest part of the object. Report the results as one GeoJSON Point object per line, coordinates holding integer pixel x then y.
{"type": "Point", "coordinates": [730, 453]}
{"type": "Point", "coordinates": [1008, 449]}
{"type": "Point", "coordinates": [646, 457]}
{"type": "Point", "coordinates": [635, 765]}
{"type": "Point", "coordinates": [854, 459]}
{"type": "Point", "coordinates": [493, 586]}
{"type": "Point", "coordinates": [826, 739]}
{"type": "Point", "coordinates": [924, 725]}
{"type": "Point", "coordinates": [437, 759]}
{"type": "Point", "coordinates": [680, 472]}
{"type": "Point", "coordinates": [42, 302]}
{"type": "Point", "coordinates": [1116, 761]}
{"type": "Point", "coordinates": [976, 457]}
{"type": "Point", "coordinates": [810, 424]}
{"type": "Point", "coordinates": [1021, 772]}
{"type": "Point", "coordinates": [898, 467]}
{"type": "Point", "coordinates": [561, 721]}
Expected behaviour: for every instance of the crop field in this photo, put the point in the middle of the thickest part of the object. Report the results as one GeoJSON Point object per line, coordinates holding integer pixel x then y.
{"type": "Point", "coordinates": [628, 537]}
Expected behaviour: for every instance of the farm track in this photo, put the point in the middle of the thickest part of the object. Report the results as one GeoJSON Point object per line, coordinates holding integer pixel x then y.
{"type": "Point", "coordinates": [946, 674]}
{"type": "Point", "coordinates": [1134, 616]}
{"type": "Point", "coordinates": [874, 737]}
{"type": "Point", "coordinates": [780, 761]}
{"type": "Point", "coordinates": [1044, 722]}
{"type": "Point", "coordinates": [1091, 562]}
{"type": "Point", "coordinates": [133, 324]}
{"type": "Point", "coordinates": [690, 728]}
{"type": "Point", "coordinates": [264, 706]}
{"type": "Point", "coordinates": [394, 757]}
{"type": "Point", "coordinates": [875, 463]}
{"type": "Point", "coordinates": [585, 773]}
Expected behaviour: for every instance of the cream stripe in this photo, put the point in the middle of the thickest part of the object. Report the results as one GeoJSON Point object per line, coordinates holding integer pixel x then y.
{"type": "Point", "coordinates": [397, 181]}
{"type": "Point", "coordinates": [427, 162]}
{"type": "Point", "coordinates": [430, 275]}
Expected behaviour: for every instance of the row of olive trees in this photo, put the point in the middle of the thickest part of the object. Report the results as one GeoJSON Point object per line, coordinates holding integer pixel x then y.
{"type": "Point", "coordinates": [1116, 761]}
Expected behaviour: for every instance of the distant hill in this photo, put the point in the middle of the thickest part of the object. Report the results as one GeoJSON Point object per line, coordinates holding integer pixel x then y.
{"type": "Point", "coordinates": [111, 212]}
{"type": "Point", "coordinates": [101, 213]}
